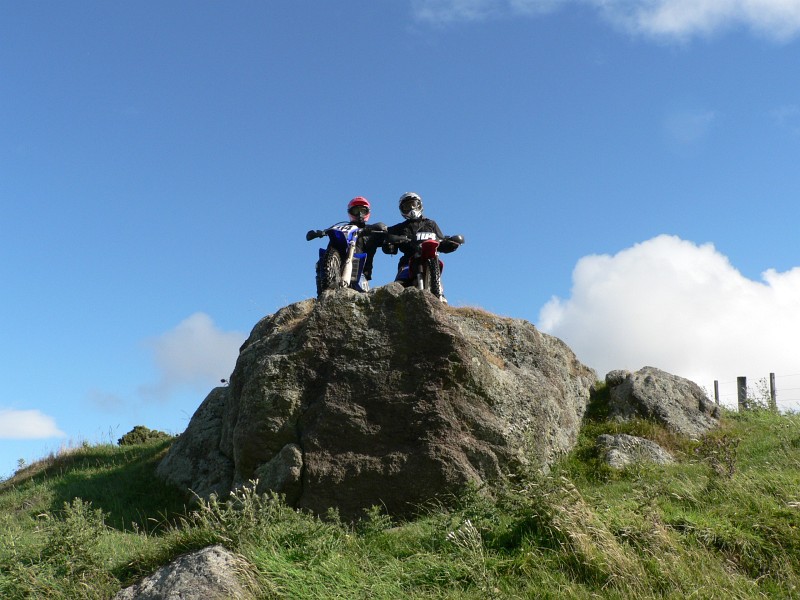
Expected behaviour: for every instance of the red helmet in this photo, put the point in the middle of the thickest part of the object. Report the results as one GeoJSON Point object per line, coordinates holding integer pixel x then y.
{"type": "Point", "coordinates": [358, 209]}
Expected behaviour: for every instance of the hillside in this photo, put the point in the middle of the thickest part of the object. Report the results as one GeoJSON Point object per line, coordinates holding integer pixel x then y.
{"type": "Point", "coordinates": [722, 522]}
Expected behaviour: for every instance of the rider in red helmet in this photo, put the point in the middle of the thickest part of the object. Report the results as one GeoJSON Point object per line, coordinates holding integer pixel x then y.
{"type": "Point", "coordinates": [358, 209]}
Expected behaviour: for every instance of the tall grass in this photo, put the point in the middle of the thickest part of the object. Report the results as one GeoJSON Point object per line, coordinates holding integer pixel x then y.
{"type": "Point", "coordinates": [724, 522]}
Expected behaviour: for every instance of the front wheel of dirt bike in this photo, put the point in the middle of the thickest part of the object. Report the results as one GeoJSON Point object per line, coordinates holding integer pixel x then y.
{"type": "Point", "coordinates": [432, 277]}
{"type": "Point", "coordinates": [329, 271]}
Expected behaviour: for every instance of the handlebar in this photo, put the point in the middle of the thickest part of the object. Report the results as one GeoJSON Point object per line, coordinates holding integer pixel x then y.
{"type": "Point", "coordinates": [448, 243]}
{"type": "Point", "coordinates": [400, 239]}
{"type": "Point", "coordinates": [396, 239]}
{"type": "Point", "coordinates": [318, 233]}
{"type": "Point", "coordinates": [389, 239]}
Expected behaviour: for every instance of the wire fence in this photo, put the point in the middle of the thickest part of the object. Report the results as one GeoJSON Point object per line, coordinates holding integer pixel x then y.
{"type": "Point", "coordinates": [759, 390]}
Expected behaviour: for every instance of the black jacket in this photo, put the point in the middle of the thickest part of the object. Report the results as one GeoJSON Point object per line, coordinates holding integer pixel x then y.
{"type": "Point", "coordinates": [369, 242]}
{"type": "Point", "coordinates": [410, 228]}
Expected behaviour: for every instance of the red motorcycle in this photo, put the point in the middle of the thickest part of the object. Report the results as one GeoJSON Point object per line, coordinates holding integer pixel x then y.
{"type": "Point", "coordinates": [424, 268]}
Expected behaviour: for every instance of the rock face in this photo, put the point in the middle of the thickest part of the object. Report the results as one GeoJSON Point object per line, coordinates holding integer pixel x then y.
{"type": "Point", "coordinates": [388, 398]}
{"type": "Point", "coordinates": [195, 460]}
{"type": "Point", "coordinates": [678, 404]}
{"type": "Point", "coordinates": [209, 574]}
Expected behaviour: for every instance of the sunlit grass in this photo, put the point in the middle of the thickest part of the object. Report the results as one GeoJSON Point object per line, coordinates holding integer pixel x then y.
{"type": "Point", "coordinates": [88, 522]}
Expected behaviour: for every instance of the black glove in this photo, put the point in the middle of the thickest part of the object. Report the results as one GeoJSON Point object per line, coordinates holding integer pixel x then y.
{"type": "Point", "coordinates": [451, 243]}
{"type": "Point", "coordinates": [446, 246]}
{"type": "Point", "coordinates": [314, 234]}
{"type": "Point", "coordinates": [389, 248]}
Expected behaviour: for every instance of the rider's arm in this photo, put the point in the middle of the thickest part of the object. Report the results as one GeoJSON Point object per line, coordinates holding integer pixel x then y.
{"type": "Point", "coordinates": [406, 230]}
{"type": "Point", "coordinates": [437, 230]}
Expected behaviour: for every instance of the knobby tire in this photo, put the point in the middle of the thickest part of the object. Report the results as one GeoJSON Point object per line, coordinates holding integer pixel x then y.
{"type": "Point", "coordinates": [433, 277]}
{"type": "Point", "coordinates": [329, 271]}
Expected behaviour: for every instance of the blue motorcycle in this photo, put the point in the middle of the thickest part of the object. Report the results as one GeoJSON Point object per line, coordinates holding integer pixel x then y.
{"type": "Point", "coordinates": [339, 265]}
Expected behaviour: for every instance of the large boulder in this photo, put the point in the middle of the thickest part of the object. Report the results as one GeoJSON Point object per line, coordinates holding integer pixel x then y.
{"type": "Point", "coordinates": [678, 404]}
{"type": "Point", "coordinates": [388, 398]}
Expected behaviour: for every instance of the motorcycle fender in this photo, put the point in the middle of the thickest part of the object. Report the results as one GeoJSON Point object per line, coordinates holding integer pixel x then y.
{"type": "Point", "coordinates": [428, 248]}
{"type": "Point", "coordinates": [341, 235]}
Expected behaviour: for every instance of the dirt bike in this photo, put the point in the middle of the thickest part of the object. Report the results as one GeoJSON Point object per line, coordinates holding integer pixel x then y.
{"type": "Point", "coordinates": [339, 265]}
{"type": "Point", "coordinates": [424, 268]}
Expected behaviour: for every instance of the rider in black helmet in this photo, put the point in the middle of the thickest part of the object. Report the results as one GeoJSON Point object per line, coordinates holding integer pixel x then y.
{"type": "Point", "coordinates": [411, 208]}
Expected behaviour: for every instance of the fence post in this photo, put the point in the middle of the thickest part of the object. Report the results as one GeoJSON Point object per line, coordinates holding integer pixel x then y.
{"type": "Point", "coordinates": [741, 388]}
{"type": "Point", "coordinates": [773, 403]}
{"type": "Point", "coordinates": [716, 392]}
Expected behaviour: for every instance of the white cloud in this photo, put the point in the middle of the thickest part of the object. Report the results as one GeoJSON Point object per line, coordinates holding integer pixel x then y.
{"type": "Point", "coordinates": [195, 354]}
{"type": "Point", "coordinates": [681, 307]}
{"type": "Point", "coordinates": [778, 19]}
{"type": "Point", "coordinates": [27, 425]}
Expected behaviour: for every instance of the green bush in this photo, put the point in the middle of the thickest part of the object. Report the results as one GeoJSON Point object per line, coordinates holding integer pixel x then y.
{"type": "Point", "coordinates": [141, 434]}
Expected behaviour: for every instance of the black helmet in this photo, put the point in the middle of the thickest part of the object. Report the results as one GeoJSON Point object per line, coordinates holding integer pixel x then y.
{"type": "Point", "coordinates": [410, 205]}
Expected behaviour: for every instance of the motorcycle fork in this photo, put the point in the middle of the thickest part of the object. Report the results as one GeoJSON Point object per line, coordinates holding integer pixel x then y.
{"type": "Point", "coordinates": [347, 269]}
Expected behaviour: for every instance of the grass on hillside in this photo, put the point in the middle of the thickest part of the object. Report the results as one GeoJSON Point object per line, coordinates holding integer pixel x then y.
{"type": "Point", "coordinates": [724, 522]}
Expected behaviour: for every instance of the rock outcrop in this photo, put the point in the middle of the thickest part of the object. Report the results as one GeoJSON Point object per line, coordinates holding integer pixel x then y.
{"type": "Point", "coordinates": [196, 460]}
{"type": "Point", "coordinates": [388, 398]}
{"type": "Point", "coordinates": [678, 404]}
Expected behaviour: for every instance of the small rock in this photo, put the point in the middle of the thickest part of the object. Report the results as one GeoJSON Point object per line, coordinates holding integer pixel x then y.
{"type": "Point", "coordinates": [623, 450]}
{"type": "Point", "coordinates": [208, 574]}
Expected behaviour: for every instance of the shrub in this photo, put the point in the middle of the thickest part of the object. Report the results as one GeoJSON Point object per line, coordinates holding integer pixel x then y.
{"type": "Point", "coordinates": [141, 434]}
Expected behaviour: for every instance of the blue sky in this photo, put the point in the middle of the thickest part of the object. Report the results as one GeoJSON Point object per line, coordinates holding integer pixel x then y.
{"type": "Point", "coordinates": [625, 174]}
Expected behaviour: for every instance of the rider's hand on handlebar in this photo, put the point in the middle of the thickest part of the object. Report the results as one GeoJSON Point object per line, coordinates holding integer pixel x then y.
{"type": "Point", "coordinates": [377, 227]}
{"type": "Point", "coordinates": [451, 243]}
{"type": "Point", "coordinates": [457, 239]}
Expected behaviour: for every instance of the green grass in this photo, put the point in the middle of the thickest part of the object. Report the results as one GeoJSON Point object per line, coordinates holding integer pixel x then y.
{"type": "Point", "coordinates": [723, 522]}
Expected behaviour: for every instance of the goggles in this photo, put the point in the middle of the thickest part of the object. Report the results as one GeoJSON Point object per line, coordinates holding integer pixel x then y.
{"type": "Point", "coordinates": [358, 211]}
{"type": "Point", "coordinates": [410, 204]}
